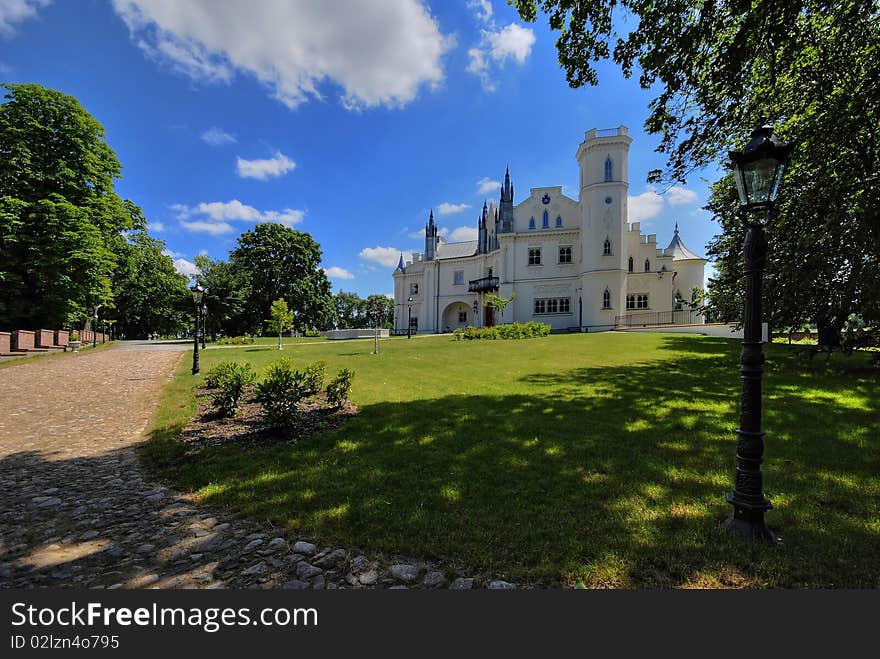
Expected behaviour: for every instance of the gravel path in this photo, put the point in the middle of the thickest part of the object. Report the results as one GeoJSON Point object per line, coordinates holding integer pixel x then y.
{"type": "Point", "coordinates": [77, 510]}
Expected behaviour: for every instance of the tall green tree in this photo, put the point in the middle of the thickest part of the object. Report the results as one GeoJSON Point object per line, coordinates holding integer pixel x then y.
{"type": "Point", "coordinates": [275, 261]}
{"type": "Point", "coordinates": [810, 67]}
{"type": "Point", "coordinates": [61, 222]}
{"type": "Point", "coordinates": [350, 310]}
{"type": "Point", "coordinates": [149, 295]}
{"type": "Point", "coordinates": [225, 297]}
{"type": "Point", "coordinates": [379, 311]}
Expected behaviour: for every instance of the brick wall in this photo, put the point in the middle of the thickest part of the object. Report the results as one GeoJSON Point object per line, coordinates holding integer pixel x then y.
{"type": "Point", "coordinates": [62, 337]}
{"type": "Point", "coordinates": [5, 342]}
{"type": "Point", "coordinates": [23, 340]}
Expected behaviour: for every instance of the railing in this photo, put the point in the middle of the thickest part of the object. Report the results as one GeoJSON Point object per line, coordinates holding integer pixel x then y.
{"type": "Point", "coordinates": [483, 284]}
{"type": "Point", "coordinates": [645, 319]}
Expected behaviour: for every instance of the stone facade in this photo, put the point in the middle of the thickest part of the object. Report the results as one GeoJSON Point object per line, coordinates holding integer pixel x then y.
{"type": "Point", "coordinates": [573, 264]}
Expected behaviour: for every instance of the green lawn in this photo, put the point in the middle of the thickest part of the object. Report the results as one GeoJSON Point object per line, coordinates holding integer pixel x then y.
{"type": "Point", "coordinates": [589, 459]}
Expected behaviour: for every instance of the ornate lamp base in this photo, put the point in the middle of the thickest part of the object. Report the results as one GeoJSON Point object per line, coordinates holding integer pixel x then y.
{"type": "Point", "coordinates": [747, 521]}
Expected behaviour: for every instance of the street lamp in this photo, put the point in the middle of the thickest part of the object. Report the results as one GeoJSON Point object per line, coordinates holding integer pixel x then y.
{"type": "Point", "coordinates": [758, 170]}
{"type": "Point", "coordinates": [476, 309]}
{"type": "Point", "coordinates": [95, 327]}
{"type": "Point", "coordinates": [409, 319]}
{"type": "Point", "coordinates": [197, 293]}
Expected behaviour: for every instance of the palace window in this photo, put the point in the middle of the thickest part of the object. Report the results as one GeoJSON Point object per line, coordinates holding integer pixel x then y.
{"type": "Point", "coordinates": [630, 264]}
{"type": "Point", "coordinates": [637, 301]}
{"type": "Point", "coordinates": [458, 277]}
{"type": "Point", "coordinates": [606, 299]}
{"type": "Point", "coordinates": [531, 223]}
{"type": "Point", "coordinates": [558, 221]}
{"type": "Point", "coordinates": [462, 316]}
{"type": "Point", "coordinates": [565, 254]}
{"type": "Point", "coordinates": [548, 305]}
{"type": "Point", "coordinates": [678, 301]}
{"type": "Point", "coordinates": [413, 289]}
{"type": "Point", "coordinates": [606, 248]}
{"type": "Point", "coordinates": [647, 265]}
{"type": "Point", "coordinates": [534, 256]}
{"type": "Point", "coordinates": [545, 224]}
{"type": "Point", "coordinates": [609, 170]}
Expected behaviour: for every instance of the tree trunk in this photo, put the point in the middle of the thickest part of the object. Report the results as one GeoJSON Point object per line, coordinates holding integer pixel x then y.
{"type": "Point", "coordinates": [829, 331]}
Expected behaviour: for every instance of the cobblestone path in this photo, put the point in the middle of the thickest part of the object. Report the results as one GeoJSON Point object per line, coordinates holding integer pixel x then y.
{"type": "Point", "coordinates": [77, 510]}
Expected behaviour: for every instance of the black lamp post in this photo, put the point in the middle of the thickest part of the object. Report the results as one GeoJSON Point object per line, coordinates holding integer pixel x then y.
{"type": "Point", "coordinates": [476, 309]}
{"type": "Point", "coordinates": [95, 327]}
{"type": "Point", "coordinates": [758, 170]}
{"type": "Point", "coordinates": [409, 319]}
{"type": "Point", "coordinates": [197, 293]}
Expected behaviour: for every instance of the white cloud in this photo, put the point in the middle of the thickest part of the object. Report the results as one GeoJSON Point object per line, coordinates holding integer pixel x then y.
{"type": "Point", "coordinates": [203, 226]}
{"type": "Point", "coordinates": [448, 209]}
{"type": "Point", "coordinates": [462, 234]}
{"type": "Point", "coordinates": [338, 273]}
{"type": "Point", "coordinates": [378, 53]}
{"type": "Point", "coordinates": [16, 11]}
{"type": "Point", "coordinates": [495, 48]}
{"type": "Point", "coordinates": [644, 206]}
{"type": "Point", "coordinates": [217, 137]}
{"type": "Point", "coordinates": [486, 185]}
{"type": "Point", "coordinates": [677, 196]}
{"type": "Point", "coordinates": [157, 227]}
{"type": "Point", "coordinates": [482, 9]}
{"type": "Point", "coordinates": [512, 41]}
{"type": "Point", "coordinates": [185, 267]}
{"type": "Point", "coordinates": [265, 169]}
{"type": "Point", "coordinates": [390, 296]}
{"type": "Point", "coordinates": [387, 256]}
{"type": "Point", "coordinates": [214, 216]}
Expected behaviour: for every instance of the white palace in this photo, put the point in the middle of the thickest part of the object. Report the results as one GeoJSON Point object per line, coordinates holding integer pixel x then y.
{"type": "Point", "coordinates": [575, 264]}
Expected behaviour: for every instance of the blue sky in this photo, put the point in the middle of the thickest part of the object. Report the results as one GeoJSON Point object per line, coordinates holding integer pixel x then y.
{"type": "Point", "coordinates": [348, 124]}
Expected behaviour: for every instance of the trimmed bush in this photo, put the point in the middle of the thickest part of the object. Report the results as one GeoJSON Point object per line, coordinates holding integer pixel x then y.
{"type": "Point", "coordinates": [280, 390]}
{"type": "Point", "coordinates": [507, 331]}
{"type": "Point", "coordinates": [247, 339]}
{"type": "Point", "coordinates": [339, 388]}
{"type": "Point", "coordinates": [230, 387]}
{"type": "Point", "coordinates": [315, 376]}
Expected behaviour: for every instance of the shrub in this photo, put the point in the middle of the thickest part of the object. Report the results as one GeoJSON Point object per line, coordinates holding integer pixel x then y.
{"type": "Point", "coordinates": [315, 375]}
{"type": "Point", "coordinates": [312, 332]}
{"type": "Point", "coordinates": [279, 392]}
{"type": "Point", "coordinates": [213, 376]}
{"type": "Point", "coordinates": [236, 340]}
{"type": "Point", "coordinates": [506, 331]}
{"type": "Point", "coordinates": [73, 336]}
{"type": "Point", "coordinates": [457, 333]}
{"type": "Point", "coordinates": [231, 385]}
{"type": "Point", "coordinates": [339, 388]}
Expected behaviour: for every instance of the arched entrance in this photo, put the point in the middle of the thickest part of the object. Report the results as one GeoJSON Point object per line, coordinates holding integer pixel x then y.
{"type": "Point", "coordinates": [455, 315]}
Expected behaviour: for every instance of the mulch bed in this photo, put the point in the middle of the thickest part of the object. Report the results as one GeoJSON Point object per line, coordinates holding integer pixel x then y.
{"type": "Point", "coordinates": [249, 426]}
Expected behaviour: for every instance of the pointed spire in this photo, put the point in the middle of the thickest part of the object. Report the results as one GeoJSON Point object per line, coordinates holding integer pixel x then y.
{"type": "Point", "coordinates": [400, 264]}
{"type": "Point", "coordinates": [676, 228]}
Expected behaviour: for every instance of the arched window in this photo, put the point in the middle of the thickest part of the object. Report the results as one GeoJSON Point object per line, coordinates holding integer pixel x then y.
{"type": "Point", "coordinates": [606, 299]}
{"type": "Point", "coordinates": [546, 223]}
{"type": "Point", "coordinates": [531, 223]}
{"type": "Point", "coordinates": [630, 264]}
{"type": "Point", "coordinates": [647, 265]}
{"type": "Point", "coordinates": [606, 248]}
{"type": "Point", "coordinates": [609, 170]}
{"type": "Point", "coordinates": [558, 220]}
{"type": "Point", "coordinates": [678, 301]}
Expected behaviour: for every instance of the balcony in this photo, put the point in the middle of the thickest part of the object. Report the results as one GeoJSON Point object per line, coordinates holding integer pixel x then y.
{"type": "Point", "coordinates": [483, 285]}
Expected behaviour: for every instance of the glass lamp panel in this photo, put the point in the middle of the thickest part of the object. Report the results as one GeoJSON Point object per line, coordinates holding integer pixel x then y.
{"type": "Point", "coordinates": [759, 178]}
{"type": "Point", "coordinates": [740, 186]}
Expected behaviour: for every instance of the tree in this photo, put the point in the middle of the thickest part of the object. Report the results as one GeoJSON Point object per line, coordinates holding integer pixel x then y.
{"type": "Point", "coordinates": [225, 297]}
{"type": "Point", "coordinates": [281, 319]}
{"type": "Point", "coordinates": [811, 68]}
{"type": "Point", "coordinates": [150, 296]}
{"type": "Point", "coordinates": [61, 223]}
{"type": "Point", "coordinates": [274, 261]}
{"type": "Point", "coordinates": [498, 302]}
{"type": "Point", "coordinates": [350, 310]}
{"type": "Point", "coordinates": [379, 311]}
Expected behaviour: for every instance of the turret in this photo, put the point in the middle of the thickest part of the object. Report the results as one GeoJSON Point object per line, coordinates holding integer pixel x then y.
{"type": "Point", "coordinates": [400, 264]}
{"type": "Point", "coordinates": [431, 238]}
{"type": "Point", "coordinates": [482, 232]}
{"type": "Point", "coordinates": [506, 206]}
